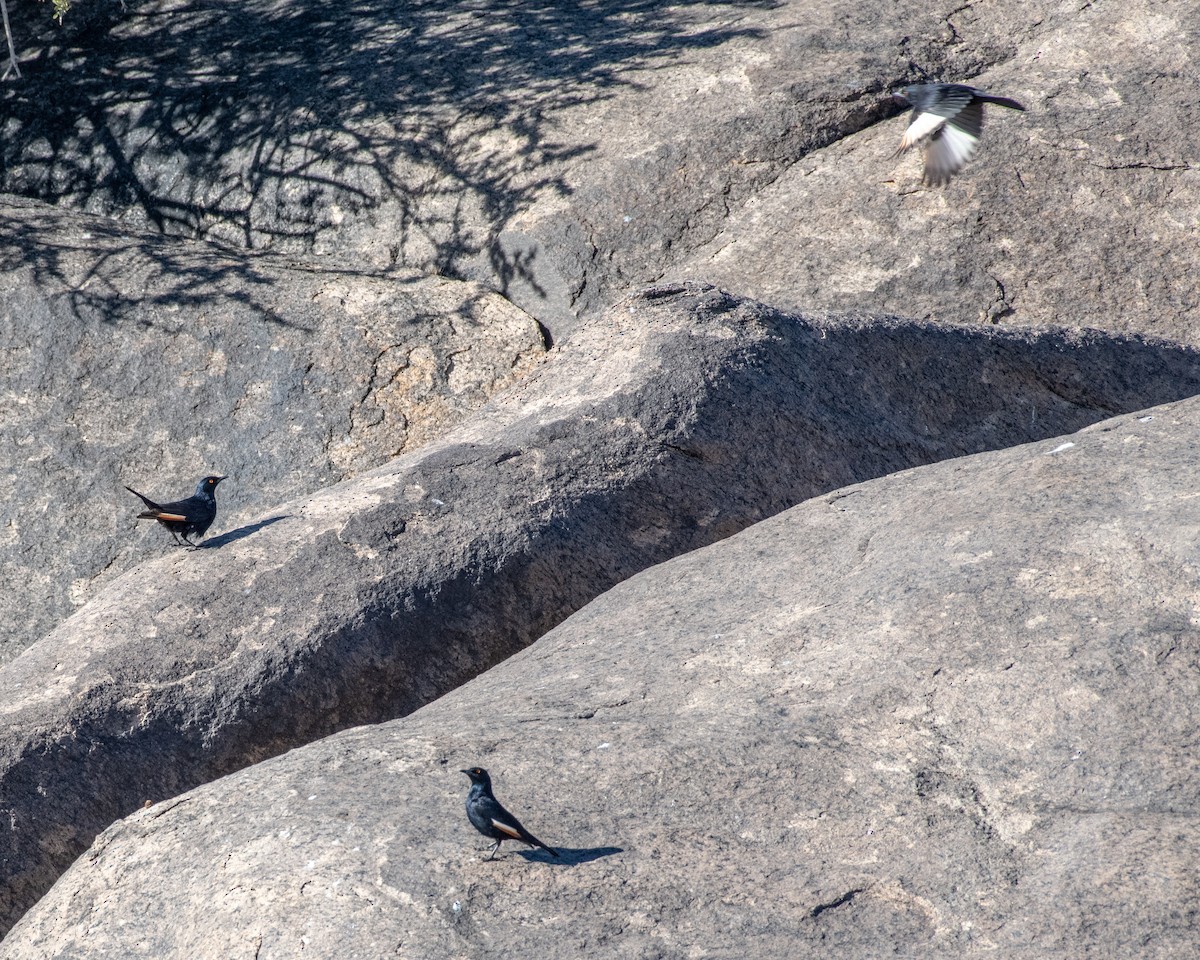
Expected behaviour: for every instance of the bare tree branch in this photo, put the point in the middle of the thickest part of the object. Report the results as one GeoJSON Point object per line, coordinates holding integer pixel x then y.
{"type": "Point", "coordinates": [12, 68]}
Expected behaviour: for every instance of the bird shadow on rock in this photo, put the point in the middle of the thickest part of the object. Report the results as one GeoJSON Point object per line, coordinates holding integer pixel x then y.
{"type": "Point", "coordinates": [569, 856]}
{"type": "Point", "coordinates": [240, 533]}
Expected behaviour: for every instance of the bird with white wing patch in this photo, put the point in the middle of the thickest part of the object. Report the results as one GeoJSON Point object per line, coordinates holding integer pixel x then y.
{"type": "Point", "coordinates": [947, 121]}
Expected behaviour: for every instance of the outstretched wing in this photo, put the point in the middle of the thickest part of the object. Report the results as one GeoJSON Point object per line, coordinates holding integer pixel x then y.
{"type": "Point", "coordinates": [923, 125]}
{"type": "Point", "coordinates": [953, 144]}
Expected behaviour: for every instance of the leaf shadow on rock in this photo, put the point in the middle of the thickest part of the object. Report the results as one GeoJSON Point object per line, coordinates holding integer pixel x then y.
{"type": "Point", "coordinates": [94, 263]}
{"type": "Point", "coordinates": [108, 272]}
{"type": "Point", "coordinates": [269, 123]}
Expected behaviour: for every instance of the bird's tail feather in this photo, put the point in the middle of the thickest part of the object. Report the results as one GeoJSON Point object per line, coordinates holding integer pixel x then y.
{"type": "Point", "coordinates": [145, 499]}
{"type": "Point", "coordinates": [1002, 102]}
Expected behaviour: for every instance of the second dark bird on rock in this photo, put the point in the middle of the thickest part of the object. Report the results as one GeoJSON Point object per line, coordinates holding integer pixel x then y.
{"type": "Point", "coordinates": [491, 819]}
{"type": "Point", "coordinates": [184, 518]}
{"type": "Point", "coordinates": [947, 118]}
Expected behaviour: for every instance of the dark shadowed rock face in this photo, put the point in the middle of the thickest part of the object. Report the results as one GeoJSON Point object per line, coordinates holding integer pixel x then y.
{"type": "Point", "coordinates": [140, 360]}
{"type": "Point", "coordinates": [950, 712]}
{"type": "Point", "coordinates": [679, 418]}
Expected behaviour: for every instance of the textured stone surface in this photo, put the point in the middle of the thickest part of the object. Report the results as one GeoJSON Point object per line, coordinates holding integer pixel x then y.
{"type": "Point", "coordinates": [560, 153]}
{"type": "Point", "coordinates": [950, 712]}
{"type": "Point", "coordinates": [140, 360]}
{"type": "Point", "coordinates": [925, 794]}
{"type": "Point", "coordinates": [679, 418]}
{"type": "Point", "coordinates": [1083, 211]}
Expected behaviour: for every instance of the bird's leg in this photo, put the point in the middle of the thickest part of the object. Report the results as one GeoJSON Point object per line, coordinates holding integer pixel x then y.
{"type": "Point", "coordinates": [492, 855]}
{"type": "Point", "coordinates": [187, 541]}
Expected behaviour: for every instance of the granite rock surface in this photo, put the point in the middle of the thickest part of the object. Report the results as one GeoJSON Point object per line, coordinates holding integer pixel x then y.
{"type": "Point", "coordinates": [133, 359]}
{"type": "Point", "coordinates": [949, 712]}
{"type": "Point", "coordinates": [681, 417]}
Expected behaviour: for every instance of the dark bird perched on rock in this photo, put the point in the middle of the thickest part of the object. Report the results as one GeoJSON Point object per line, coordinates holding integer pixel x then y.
{"type": "Point", "coordinates": [184, 518]}
{"type": "Point", "coordinates": [491, 819]}
{"type": "Point", "coordinates": [947, 119]}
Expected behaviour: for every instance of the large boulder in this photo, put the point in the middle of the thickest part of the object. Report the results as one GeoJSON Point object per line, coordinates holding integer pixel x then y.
{"type": "Point", "coordinates": [557, 152]}
{"type": "Point", "coordinates": [679, 418]}
{"type": "Point", "coordinates": [1081, 211]}
{"type": "Point", "coordinates": [950, 712]}
{"type": "Point", "coordinates": [136, 359]}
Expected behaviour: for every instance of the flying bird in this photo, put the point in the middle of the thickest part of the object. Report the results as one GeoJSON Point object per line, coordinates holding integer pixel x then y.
{"type": "Point", "coordinates": [491, 819]}
{"type": "Point", "coordinates": [947, 120]}
{"type": "Point", "coordinates": [184, 518]}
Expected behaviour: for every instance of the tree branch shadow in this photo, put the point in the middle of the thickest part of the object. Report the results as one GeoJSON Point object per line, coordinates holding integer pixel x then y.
{"type": "Point", "coordinates": [270, 124]}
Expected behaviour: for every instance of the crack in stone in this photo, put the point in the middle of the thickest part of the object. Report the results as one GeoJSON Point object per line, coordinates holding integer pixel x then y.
{"type": "Point", "coordinates": [845, 898]}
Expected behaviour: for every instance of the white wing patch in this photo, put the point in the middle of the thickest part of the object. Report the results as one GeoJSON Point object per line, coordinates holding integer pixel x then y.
{"type": "Point", "coordinates": [923, 126]}
{"type": "Point", "coordinates": [948, 153]}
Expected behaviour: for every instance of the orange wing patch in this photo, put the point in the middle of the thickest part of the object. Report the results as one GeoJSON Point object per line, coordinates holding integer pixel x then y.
{"type": "Point", "coordinates": [506, 829]}
{"type": "Point", "coordinates": [165, 516]}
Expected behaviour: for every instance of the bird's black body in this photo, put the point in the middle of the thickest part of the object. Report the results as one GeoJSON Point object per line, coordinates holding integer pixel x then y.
{"type": "Point", "coordinates": [491, 819]}
{"type": "Point", "coordinates": [947, 118]}
{"type": "Point", "coordinates": [184, 518]}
